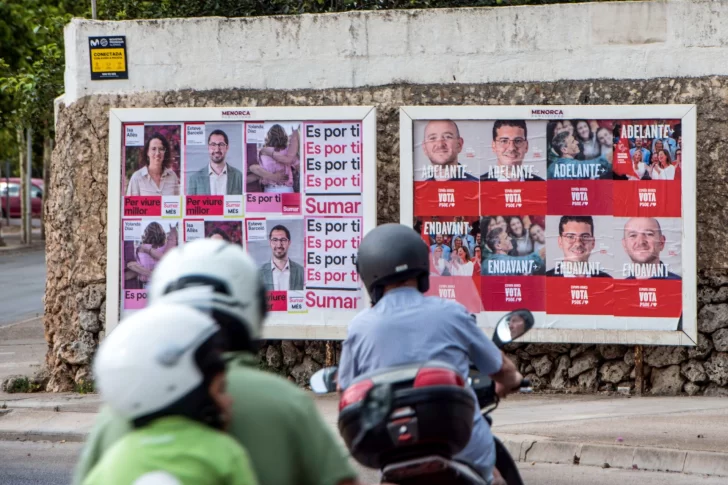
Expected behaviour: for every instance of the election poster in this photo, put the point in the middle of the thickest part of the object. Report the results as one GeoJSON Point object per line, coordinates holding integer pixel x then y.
{"type": "Point", "coordinates": [294, 187]}
{"type": "Point", "coordinates": [580, 219]}
{"type": "Point", "coordinates": [226, 230]}
{"type": "Point", "coordinates": [145, 243]}
{"type": "Point", "coordinates": [151, 170]}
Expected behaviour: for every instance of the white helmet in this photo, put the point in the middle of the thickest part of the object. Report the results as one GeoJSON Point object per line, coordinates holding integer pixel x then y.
{"type": "Point", "coordinates": [160, 361]}
{"type": "Point", "coordinates": [238, 298]}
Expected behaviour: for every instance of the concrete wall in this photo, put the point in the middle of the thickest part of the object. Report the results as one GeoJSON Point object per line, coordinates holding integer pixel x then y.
{"type": "Point", "coordinates": [620, 40]}
{"type": "Point", "coordinates": [561, 54]}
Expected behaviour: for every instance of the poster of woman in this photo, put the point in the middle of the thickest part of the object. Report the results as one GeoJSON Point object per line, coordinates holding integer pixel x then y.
{"type": "Point", "coordinates": [273, 165]}
{"type": "Point", "coordinates": [145, 243]}
{"type": "Point", "coordinates": [152, 162]}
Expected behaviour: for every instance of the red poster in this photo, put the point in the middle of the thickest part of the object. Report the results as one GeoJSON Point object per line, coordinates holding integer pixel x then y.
{"type": "Point", "coordinates": [648, 298]}
{"type": "Point", "coordinates": [580, 296]}
{"type": "Point", "coordinates": [580, 197]}
{"type": "Point", "coordinates": [506, 293]}
{"type": "Point", "coordinates": [465, 290]}
{"type": "Point", "coordinates": [648, 198]}
{"type": "Point", "coordinates": [277, 301]}
{"type": "Point", "coordinates": [514, 198]}
{"type": "Point", "coordinates": [622, 161]}
{"type": "Point", "coordinates": [141, 206]}
{"type": "Point", "coordinates": [205, 205]}
{"type": "Point", "coordinates": [446, 198]}
{"type": "Point", "coordinates": [291, 203]}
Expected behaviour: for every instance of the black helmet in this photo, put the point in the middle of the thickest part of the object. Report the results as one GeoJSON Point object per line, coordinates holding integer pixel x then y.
{"type": "Point", "coordinates": [391, 253]}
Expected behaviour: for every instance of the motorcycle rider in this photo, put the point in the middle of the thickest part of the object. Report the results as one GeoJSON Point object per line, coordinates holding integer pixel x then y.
{"type": "Point", "coordinates": [277, 422]}
{"type": "Point", "coordinates": [404, 326]}
{"type": "Point", "coordinates": [163, 370]}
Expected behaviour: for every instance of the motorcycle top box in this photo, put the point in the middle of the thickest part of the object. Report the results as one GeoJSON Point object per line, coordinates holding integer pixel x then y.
{"type": "Point", "coordinates": [406, 412]}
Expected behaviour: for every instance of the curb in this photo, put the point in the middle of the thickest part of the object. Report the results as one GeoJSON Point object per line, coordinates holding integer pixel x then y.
{"type": "Point", "coordinates": [40, 435]}
{"type": "Point", "coordinates": [17, 249]}
{"type": "Point", "coordinates": [691, 462]}
{"type": "Point", "coordinates": [71, 427]}
{"type": "Point", "coordinates": [24, 424]}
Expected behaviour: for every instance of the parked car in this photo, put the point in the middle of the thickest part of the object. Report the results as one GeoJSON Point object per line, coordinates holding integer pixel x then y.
{"type": "Point", "coordinates": [13, 186]}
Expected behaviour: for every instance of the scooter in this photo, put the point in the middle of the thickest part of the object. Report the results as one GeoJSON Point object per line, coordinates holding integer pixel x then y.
{"type": "Point", "coordinates": [409, 421]}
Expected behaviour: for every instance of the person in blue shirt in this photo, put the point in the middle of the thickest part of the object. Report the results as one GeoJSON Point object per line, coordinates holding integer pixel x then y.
{"type": "Point", "coordinates": [405, 326]}
{"type": "Point", "coordinates": [440, 243]}
{"type": "Point", "coordinates": [638, 145]}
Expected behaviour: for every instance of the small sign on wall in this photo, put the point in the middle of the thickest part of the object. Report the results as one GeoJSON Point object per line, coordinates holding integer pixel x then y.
{"type": "Point", "coordinates": [107, 56]}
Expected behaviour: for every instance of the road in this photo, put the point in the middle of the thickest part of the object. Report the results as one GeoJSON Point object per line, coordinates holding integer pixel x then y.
{"type": "Point", "coordinates": [42, 463]}
{"type": "Point", "coordinates": [22, 283]}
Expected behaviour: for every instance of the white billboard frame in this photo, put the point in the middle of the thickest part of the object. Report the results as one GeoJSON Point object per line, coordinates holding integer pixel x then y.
{"type": "Point", "coordinates": [334, 323]}
{"type": "Point", "coordinates": [688, 336]}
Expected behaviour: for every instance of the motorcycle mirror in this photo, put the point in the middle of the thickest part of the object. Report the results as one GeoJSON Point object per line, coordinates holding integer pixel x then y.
{"type": "Point", "coordinates": [324, 380]}
{"type": "Point", "coordinates": [512, 326]}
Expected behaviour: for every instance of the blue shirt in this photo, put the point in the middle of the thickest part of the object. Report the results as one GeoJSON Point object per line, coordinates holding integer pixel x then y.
{"type": "Point", "coordinates": [445, 250]}
{"type": "Point", "coordinates": [645, 155]}
{"type": "Point", "coordinates": [406, 327]}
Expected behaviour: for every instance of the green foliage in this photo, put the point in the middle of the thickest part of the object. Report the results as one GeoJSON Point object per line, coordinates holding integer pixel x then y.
{"type": "Point", "coordinates": [21, 385]}
{"type": "Point", "coordinates": [31, 68]}
{"type": "Point", "coordinates": [85, 387]}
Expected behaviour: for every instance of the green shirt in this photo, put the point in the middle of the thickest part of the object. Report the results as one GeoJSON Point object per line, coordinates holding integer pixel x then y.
{"type": "Point", "coordinates": [278, 424]}
{"type": "Point", "coordinates": [178, 448]}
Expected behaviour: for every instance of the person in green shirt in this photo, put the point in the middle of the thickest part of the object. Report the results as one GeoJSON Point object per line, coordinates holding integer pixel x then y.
{"type": "Point", "coordinates": [163, 371]}
{"type": "Point", "coordinates": [278, 423]}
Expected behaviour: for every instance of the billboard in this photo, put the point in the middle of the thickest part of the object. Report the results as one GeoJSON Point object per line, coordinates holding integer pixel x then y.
{"type": "Point", "coordinates": [583, 214]}
{"type": "Point", "coordinates": [295, 187]}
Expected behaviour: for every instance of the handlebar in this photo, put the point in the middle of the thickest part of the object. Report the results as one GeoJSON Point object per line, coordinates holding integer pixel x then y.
{"type": "Point", "coordinates": [526, 385]}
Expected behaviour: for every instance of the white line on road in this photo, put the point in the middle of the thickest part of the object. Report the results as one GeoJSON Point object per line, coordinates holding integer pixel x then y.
{"type": "Point", "coordinates": [2, 325]}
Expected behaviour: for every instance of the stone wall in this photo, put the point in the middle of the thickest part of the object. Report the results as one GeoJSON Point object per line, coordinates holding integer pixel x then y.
{"type": "Point", "coordinates": [76, 225]}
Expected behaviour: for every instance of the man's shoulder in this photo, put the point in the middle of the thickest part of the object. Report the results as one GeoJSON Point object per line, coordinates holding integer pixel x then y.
{"type": "Point", "coordinates": [234, 170]}
{"type": "Point", "coordinates": [295, 264]}
{"type": "Point", "coordinates": [265, 266]}
{"type": "Point", "coordinates": [265, 387]}
{"type": "Point", "coordinates": [435, 303]}
{"type": "Point", "coordinates": [199, 174]}
{"type": "Point", "coordinates": [246, 373]}
{"type": "Point", "coordinates": [552, 272]}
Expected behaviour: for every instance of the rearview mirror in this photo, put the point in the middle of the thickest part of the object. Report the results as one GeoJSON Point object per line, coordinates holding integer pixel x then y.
{"type": "Point", "coordinates": [512, 326]}
{"type": "Point", "coordinates": [324, 381]}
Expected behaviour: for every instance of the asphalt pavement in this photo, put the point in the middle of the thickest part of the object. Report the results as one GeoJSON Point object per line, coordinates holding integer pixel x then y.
{"type": "Point", "coordinates": [44, 463]}
{"type": "Point", "coordinates": [37, 463]}
{"type": "Point", "coordinates": [22, 284]}
{"type": "Point", "coordinates": [22, 348]}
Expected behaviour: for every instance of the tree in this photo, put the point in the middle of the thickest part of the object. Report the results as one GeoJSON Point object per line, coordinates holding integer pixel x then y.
{"type": "Point", "coordinates": [31, 75]}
